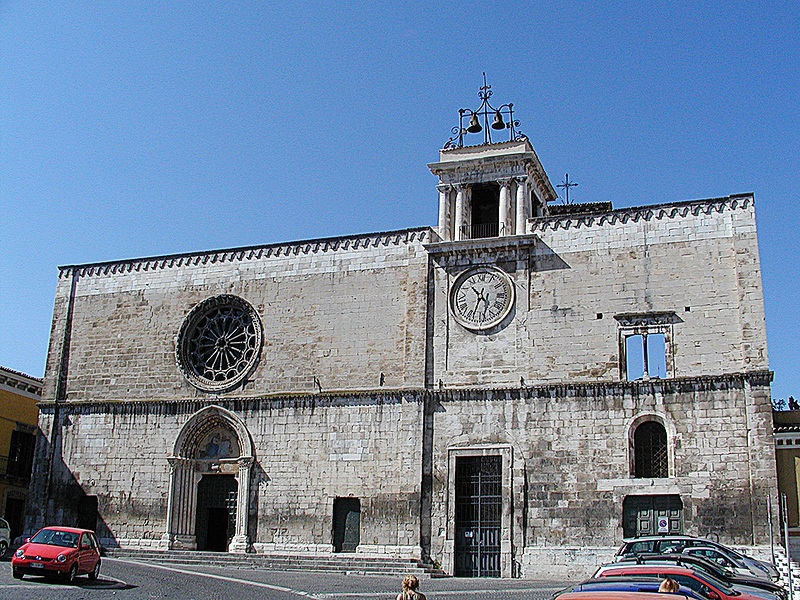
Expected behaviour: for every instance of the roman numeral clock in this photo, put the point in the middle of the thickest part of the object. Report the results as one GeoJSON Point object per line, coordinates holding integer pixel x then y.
{"type": "Point", "coordinates": [481, 297]}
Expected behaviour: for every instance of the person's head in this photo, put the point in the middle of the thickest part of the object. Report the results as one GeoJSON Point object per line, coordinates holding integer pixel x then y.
{"type": "Point", "coordinates": [669, 585]}
{"type": "Point", "coordinates": [410, 583]}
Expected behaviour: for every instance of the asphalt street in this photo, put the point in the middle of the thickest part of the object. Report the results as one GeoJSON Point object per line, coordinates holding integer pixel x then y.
{"type": "Point", "coordinates": [130, 580]}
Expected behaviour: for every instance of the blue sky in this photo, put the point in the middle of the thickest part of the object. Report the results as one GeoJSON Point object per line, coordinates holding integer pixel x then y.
{"type": "Point", "coordinates": [143, 128]}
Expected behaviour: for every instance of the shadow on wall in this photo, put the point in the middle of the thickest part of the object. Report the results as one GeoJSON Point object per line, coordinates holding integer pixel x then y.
{"type": "Point", "coordinates": [258, 482]}
{"type": "Point", "coordinates": [56, 498]}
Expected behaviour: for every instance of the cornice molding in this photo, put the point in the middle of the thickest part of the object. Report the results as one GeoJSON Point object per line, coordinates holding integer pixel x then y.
{"type": "Point", "coordinates": [597, 388]}
{"type": "Point", "coordinates": [642, 213]}
{"type": "Point", "coordinates": [388, 238]}
{"type": "Point", "coordinates": [383, 396]}
{"type": "Point", "coordinates": [20, 381]}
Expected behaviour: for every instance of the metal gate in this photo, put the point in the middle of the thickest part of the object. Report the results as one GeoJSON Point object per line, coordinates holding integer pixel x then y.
{"type": "Point", "coordinates": [477, 515]}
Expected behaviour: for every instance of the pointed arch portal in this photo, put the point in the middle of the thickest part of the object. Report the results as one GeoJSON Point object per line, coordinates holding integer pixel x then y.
{"type": "Point", "coordinates": [213, 447]}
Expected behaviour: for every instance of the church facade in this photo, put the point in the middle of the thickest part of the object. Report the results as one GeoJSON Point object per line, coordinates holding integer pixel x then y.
{"type": "Point", "coordinates": [509, 393]}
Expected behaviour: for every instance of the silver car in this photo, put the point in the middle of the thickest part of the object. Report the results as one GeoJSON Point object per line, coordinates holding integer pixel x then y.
{"type": "Point", "coordinates": [5, 537]}
{"type": "Point", "coordinates": [684, 544]}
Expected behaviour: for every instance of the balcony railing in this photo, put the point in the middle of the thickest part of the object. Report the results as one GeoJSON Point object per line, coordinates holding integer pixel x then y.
{"type": "Point", "coordinates": [481, 230]}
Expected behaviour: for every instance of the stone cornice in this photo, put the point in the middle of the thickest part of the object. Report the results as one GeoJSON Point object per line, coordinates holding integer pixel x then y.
{"type": "Point", "coordinates": [480, 244]}
{"type": "Point", "coordinates": [642, 213]}
{"type": "Point", "coordinates": [384, 396]}
{"type": "Point", "coordinates": [314, 246]}
{"type": "Point", "coordinates": [593, 388]}
{"type": "Point", "coordinates": [20, 381]}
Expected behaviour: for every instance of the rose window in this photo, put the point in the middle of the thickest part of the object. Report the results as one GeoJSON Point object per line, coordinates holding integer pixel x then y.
{"type": "Point", "coordinates": [219, 343]}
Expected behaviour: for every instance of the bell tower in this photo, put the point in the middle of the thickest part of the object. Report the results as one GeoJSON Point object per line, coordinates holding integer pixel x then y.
{"type": "Point", "coordinates": [490, 189]}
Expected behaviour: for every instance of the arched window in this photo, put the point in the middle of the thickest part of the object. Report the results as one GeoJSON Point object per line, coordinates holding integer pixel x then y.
{"type": "Point", "coordinates": [650, 450]}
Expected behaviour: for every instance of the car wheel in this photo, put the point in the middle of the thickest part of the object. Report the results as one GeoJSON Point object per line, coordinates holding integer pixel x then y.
{"type": "Point", "coordinates": [3, 547]}
{"type": "Point", "coordinates": [95, 573]}
{"type": "Point", "coordinates": [73, 573]}
{"type": "Point", "coordinates": [17, 573]}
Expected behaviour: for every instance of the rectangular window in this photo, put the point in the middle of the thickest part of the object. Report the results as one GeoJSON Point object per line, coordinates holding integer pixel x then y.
{"type": "Point", "coordinates": [20, 454]}
{"type": "Point", "coordinates": [646, 345]}
{"type": "Point", "coordinates": [645, 356]}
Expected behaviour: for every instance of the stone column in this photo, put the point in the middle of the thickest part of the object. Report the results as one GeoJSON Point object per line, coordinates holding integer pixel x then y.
{"type": "Point", "coordinates": [445, 218]}
{"type": "Point", "coordinates": [241, 542]}
{"type": "Point", "coordinates": [522, 206]}
{"type": "Point", "coordinates": [181, 504]}
{"type": "Point", "coordinates": [505, 216]}
{"type": "Point", "coordinates": [462, 211]}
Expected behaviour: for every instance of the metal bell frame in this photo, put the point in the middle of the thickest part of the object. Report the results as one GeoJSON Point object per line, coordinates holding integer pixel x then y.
{"type": "Point", "coordinates": [481, 115]}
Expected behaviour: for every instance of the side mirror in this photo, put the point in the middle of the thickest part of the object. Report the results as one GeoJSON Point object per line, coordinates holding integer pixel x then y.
{"type": "Point", "coordinates": [712, 595]}
{"type": "Point", "coordinates": [27, 540]}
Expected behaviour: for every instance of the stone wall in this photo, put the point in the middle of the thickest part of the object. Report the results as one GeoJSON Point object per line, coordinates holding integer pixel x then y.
{"type": "Point", "coordinates": [573, 275]}
{"type": "Point", "coordinates": [342, 314]}
{"type": "Point", "coordinates": [366, 387]}
{"type": "Point", "coordinates": [308, 451]}
{"type": "Point", "coordinates": [570, 450]}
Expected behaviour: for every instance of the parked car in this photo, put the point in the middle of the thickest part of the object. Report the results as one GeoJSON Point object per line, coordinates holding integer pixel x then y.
{"type": "Point", "coordinates": [612, 595]}
{"type": "Point", "coordinates": [625, 584]}
{"type": "Point", "coordinates": [5, 537]}
{"type": "Point", "coordinates": [704, 584]}
{"type": "Point", "coordinates": [680, 543]}
{"type": "Point", "coordinates": [64, 551]}
{"type": "Point", "coordinates": [729, 576]}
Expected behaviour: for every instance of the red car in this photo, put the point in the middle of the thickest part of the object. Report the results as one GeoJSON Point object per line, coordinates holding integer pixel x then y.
{"type": "Point", "coordinates": [64, 551]}
{"type": "Point", "coordinates": [704, 584]}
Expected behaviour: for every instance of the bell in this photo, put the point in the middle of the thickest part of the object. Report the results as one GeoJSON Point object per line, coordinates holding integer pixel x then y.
{"type": "Point", "coordinates": [474, 126]}
{"type": "Point", "coordinates": [498, 121]}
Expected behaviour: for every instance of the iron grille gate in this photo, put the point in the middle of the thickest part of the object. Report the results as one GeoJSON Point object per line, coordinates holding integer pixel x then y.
{"type": "Point", "coordinates": [231, 500]}
{"type": "Point", "coordinates": [478, 510]}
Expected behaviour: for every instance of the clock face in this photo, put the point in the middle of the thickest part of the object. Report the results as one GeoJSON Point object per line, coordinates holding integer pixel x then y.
{"type": "Point", "coordinates": [481, 298]}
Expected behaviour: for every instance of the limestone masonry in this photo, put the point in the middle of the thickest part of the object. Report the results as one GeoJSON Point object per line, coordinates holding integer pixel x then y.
{"type": "Point", "coordinates": [326, 395]}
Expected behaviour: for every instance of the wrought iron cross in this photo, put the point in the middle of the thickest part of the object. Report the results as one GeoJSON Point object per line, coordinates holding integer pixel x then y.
{"type": "Point", "coordinates": [566, 185]}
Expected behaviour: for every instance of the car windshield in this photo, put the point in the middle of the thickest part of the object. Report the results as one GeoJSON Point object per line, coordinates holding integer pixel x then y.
{"type": "Point", "coordinates": [53, 537]}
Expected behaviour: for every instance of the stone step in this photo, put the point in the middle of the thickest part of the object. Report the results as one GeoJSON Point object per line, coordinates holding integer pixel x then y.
{"type": "Point", "coordinates": [367, 565]}
{"type": "Point", "coordinates": [249, 558]}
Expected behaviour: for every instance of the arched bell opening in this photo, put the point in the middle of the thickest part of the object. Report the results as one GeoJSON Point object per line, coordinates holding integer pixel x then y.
{"type": "Point", "coordinates": [210, 483]}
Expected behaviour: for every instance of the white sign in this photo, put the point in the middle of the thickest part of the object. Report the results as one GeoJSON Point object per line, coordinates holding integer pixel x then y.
{"type": "Point", "coordinates": [663, 525]}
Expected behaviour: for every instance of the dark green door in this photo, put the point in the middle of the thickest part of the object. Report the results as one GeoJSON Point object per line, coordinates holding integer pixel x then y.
{"type": "Point", "coordinates": [346, 524]}
{"type": "Point", "coordinates": [652, 515]}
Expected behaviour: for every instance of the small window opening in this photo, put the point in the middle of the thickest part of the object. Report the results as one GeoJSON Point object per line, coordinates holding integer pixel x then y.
{"type": "Point", "coordinates": [485, 210]}
{"type": "Point", "coordinates": [650, 450]}
{"type": "Point", "coordinates": [20, 455]}
{"type": "Point", "coordinates": [645, 356]}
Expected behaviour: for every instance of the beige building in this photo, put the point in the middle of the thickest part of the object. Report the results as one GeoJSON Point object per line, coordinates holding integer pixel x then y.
{"type": "Point", "coordinates": [787, 458]}
{"type": "Point", "coordinates": [508, 393]}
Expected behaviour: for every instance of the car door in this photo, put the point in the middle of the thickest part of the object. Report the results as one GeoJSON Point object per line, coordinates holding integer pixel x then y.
{"type": "Point", "coordinates": [94, 554]}
{"type": "Point", "coordinates": [85, 561]}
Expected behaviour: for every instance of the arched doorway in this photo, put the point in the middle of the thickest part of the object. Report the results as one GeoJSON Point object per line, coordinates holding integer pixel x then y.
{"type": "Point", "coordinates": [207, 508]}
